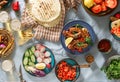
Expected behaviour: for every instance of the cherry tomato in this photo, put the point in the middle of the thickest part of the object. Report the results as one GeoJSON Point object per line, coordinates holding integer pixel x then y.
{"type": "Point", "coordinates": [111, 3]}
{"type": "Point", "coordinates": [104, 8]}
{"type": "Point", "coordinates": [96, 9]}
{"type": "Point", "coordinates": [98, 1]}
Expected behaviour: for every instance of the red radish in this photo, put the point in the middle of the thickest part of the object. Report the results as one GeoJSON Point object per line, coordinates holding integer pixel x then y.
{"type": "Point", "coordinates": [97, 9]}
{"type": "Point", "coordinates": [15, 6]}
{"type": "Point", "coordinates": [98, 1]}
{"type": "Point", "coordinates": [104, 8]}
{"type": "Point", "coordinates": [48, 66]}
{"type": "Point", "coordinates": [47, 54]}
{"type": "Point", "coordinates": [39, 59]}
{"type": "Point", "coordinates": [111, 3]}
{"type": "Point", "coordinates": [38, 46]}
{"type": "Point", "coordinates": [117, 15]}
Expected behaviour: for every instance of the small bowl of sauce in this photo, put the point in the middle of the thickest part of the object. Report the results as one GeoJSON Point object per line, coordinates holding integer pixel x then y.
{"type": "Point", "coordinates": [104, 46]}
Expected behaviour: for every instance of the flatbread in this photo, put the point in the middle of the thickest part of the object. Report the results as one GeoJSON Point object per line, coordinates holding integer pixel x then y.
{"type": "Point", "coordinates": [45, 10]}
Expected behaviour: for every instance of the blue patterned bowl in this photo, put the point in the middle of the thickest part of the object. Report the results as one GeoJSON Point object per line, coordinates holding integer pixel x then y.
{"type": "Point", "coordinates": [83, 24]}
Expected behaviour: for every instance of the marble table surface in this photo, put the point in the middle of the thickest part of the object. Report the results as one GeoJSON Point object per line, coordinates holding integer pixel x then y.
{"type": "Point", "coordinates": [93, 74]}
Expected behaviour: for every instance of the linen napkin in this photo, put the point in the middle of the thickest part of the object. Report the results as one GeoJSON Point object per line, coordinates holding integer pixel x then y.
{"type": "Point", "coordinates": [41, 32]}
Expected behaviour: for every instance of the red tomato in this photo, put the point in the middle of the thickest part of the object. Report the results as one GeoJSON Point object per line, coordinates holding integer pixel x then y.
{"type": "Point", "coordinates": [98, 1]}
{"type": "Point", "coordinates": [104, 8]}
{"type": "Point", "coordinates": [15, 6]}
{"type": "Point", "coordinates": [111, 3]}
{"type": "Point", "coordinates": [96, 9]}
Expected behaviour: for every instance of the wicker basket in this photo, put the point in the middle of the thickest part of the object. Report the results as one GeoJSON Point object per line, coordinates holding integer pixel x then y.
{"type": "Point", "coordinates": [4, 52]}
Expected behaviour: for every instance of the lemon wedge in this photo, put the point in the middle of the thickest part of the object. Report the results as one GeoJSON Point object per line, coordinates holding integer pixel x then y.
{"type": "Point", "coordinates": [88, 3]}
{"type": "Point", "coordinates": [40, 66]}
{"type": "Point", "coordinates": [68, 40]}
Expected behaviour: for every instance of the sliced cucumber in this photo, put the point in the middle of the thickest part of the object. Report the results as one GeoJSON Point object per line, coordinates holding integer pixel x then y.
{"type": "Point", "coordinates": [31, 64]}
{"type": "Point", "coordinates": [27, 53]}
{"type": "Point", "coordinates": [29, 60]}
{"type": "Point", "coordinates": [33, 58]}
{"type": "Point", "coordinates": [30, 52]}
{"type": "Point", "coordinates": [25, 60]}
{"type": "Point", "coordinates": [32, 49]}
{"type": "Point", "coordinates": [26, 68]}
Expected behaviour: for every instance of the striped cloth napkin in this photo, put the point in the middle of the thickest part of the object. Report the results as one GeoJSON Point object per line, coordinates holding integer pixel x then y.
{"type": "Point", "coordinates": [41, 32]}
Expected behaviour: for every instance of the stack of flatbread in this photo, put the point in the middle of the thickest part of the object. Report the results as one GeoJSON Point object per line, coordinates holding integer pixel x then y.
{"type": "Point", "coordinates": [45, 12]}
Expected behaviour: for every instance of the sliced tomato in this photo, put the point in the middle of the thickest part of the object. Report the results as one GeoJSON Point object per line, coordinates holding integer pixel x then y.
{"type": "Point", "coordinates": [98, 1]}
{"type": "Point", "coordinates": [96, 9]}
{"type": "Point", "coordinates": [104, 8]}
{"type": "Point", "coordinates": [111, 3]}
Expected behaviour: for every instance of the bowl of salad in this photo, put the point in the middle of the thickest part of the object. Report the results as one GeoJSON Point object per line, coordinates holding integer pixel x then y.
{"type": "Point", "coordinates": [77, 37]}
{"type": "Point", "coordinates": [38, 60]}
{"type": "Point", "coordinates": [112, 68]}
{"type": "Point", "coordinates": [99, 7]}
{"type": "Point", "coordinates": [65, 71]}
{"type": "Point", "coordinates": [115, 25]}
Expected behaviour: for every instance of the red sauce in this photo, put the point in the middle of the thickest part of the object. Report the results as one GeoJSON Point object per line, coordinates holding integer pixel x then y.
{"type": "Point", "coordinates": [104, 45]}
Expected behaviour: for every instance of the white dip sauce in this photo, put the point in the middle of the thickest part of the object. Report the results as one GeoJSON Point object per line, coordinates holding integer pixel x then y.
{"type": "Point", "coordinates": [4, 16]}
{"type": "Point", "coordinates": [7, 65]}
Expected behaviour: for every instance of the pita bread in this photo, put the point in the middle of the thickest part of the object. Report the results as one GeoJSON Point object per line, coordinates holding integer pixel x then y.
{"type": "Point", "coordinates": [45, 10]}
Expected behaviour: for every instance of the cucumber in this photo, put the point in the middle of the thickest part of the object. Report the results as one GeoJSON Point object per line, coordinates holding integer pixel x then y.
{"type": "Point", "coordinates": [26, 68]}
{"type": "Point", "coordinates": [32, 58]}
{"type": "Point", "coordinates": [27, 53]}
{"type": "Point", "coordinates": [25, 60]}
{"type": "Point", "coordinates": [29, 60]}
{"type": "Point", "coordinates": [32, 49]}
{"type": "Point", "coordinates": [31, 64]}
{"type": "Point", "coordinates": [30, 52]}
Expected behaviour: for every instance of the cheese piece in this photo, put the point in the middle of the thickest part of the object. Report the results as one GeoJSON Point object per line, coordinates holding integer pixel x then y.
{"type": "Point", "coordinates": [115, 24]}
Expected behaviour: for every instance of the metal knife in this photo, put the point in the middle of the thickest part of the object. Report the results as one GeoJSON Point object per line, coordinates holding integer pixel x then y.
{"type": "Point", "coordinates": [21, 75]}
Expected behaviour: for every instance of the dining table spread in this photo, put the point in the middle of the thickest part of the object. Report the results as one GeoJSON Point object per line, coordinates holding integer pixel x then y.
{"type": "Point", "coordinates": [50, 37]}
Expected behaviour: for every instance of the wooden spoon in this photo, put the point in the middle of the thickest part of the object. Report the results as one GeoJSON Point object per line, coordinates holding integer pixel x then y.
{"type": "Point", "coordinates": [82, 66]}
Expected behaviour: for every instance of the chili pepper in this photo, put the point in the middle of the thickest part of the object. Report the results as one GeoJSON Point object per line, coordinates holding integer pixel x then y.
{"type": "Point", "coordinates": [15, 6]}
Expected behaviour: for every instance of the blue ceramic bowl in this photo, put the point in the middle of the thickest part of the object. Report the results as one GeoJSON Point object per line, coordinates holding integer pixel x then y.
{"type": "Point", "coordinates": [46, 70]}
{"type": "Point", "coordinates": [70, 62]}
{"type": "Point", "coordinates": [83, 24]}
{"type": "Point", "coordinates": [115, 37]}
{"type": "Point", "coordinates": [7, 4]}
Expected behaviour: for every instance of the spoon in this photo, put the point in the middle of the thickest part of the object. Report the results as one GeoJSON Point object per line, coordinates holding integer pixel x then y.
{"type": "Point", "coordinates": [82, 66]}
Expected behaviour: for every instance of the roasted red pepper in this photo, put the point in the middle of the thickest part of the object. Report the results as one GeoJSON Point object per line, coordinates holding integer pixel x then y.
{"type": "Point", "coordinates": [15, 6]}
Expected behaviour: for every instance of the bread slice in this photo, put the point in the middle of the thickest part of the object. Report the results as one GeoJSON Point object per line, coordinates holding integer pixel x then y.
{"type": "Point", "coordinates": [45, 10]}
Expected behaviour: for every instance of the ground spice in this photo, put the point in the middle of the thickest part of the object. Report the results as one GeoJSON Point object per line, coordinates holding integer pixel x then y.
{"type": "Point", "coordinates": [89, 58]}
